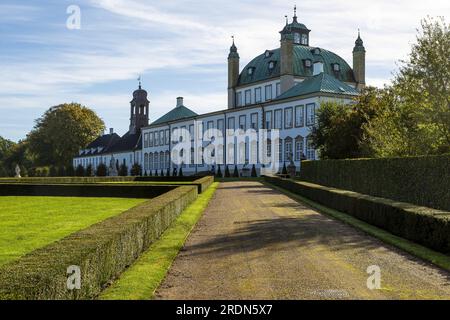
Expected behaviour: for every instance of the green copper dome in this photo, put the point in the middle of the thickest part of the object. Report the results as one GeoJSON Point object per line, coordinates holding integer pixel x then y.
{"type": "Point", "coordinates": [262, 72]}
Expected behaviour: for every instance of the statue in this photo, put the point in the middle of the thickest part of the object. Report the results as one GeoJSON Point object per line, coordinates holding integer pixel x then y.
{"type": "Point", "coordinates": [17, 172]}
{"type": "Point", "coordinates": [291, 169]}
{"type": "Point", "coordinates": [112, 170]}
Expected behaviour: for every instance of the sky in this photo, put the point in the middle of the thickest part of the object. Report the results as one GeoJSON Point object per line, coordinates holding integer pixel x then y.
{"type": "Point", "coordinates": [179, 47]}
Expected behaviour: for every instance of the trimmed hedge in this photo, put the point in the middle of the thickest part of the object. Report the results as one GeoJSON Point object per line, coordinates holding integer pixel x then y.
{"type": "Point", "coordinates": [85, 190]}
{"type": "Point", "coordinates": [429, 227]}
{"type": "Point", "coordinates": [102, 251]}
{"type": "Point", "coordinates": [420, 180]}
{"type": "Point", "coordinates": [202, 183]}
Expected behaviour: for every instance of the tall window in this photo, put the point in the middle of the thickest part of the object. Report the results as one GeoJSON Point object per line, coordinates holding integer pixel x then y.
{"type": "Point", "coordinates": [239, 99]}
{"type": "Point", "coordinates": [191, 131]}
{"type": "Point", "coordinates": [310, 152]}
{"type": "Point", "coordinates": [288, 118]}
{"type": "Point", "coordinates": [258, 95]}
{"type": "Point", "coordinates": [297, 38]}
{"type": "Point", "coordinates": [287, 148]}
{"type": "Point", "coordinates": [278, 85]}
{"type": "Point", "coordinates": [167, 159]}
{"type": "Point", "coordinates": [182, 133]}
{"type": "Point", "coordinates": [268, 92]}
{"type": "Point", "coordinates": [146, 161]}
{"type": "Point", "coordinates": [150, 160]}
{"type": "Point", "coordinates": [167, 136]}
{"type": "Point", "coordinates": [242, 120]}
{"type": "Point", "coordinates": [278, 119]}
{"type": "Point", "coordinates": [304, 39]}
{"type": "Point", "coordinates": [298, 148]}
{"type": "Point", "coordinates": [161, 138]}
{"type": "Point", "coordinates": [161, 159]}
{"type": "Point", "coordinates": [254, 121]}
{"type": "Point", "coordinates": [156, 138]}
{"type": "Point", "coordinates": [310, 114]}
{"type": "Point", "coordinates": [248, 97]}
{"type": "Point", "coordinates": [231, 124]}
{"type": "Point", "coordinates": [220, 126]}
{"type": "Point", "coordinates": [209, 125]}
{"type": "Point", "coordinates": [280, 150]}
{"type": "Point", "coordinates": [268, 118]}
{"type": "Point", "coordinates": [269, 148]}
{"type": "Point", "coordinates": [145, 140]}
{"type": "Point", "coordinates": [299, 116]}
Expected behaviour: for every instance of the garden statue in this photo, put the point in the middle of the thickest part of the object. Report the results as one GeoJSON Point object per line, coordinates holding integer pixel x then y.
{"type": "Point", "coordinates": [113, 167]}
{"type": "Point", "coordinates": [18, 172]}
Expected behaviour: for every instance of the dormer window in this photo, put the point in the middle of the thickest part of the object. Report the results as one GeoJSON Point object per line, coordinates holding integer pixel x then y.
{"type": "Point", "coordinates": [267, 54]}
{"type": "Point", "coordinates": [316, 51]}
{"type": "Point", "coordinates": [250, 71]}
{"type": "Point", "coordinates": [308, 63]}
{"type": "Point", "coordinates": [336, 67]}
{"type": "Point", "coordinates": [271, 65]}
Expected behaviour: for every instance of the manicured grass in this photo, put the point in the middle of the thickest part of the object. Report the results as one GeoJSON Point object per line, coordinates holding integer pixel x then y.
{"type": "Point", "coordinates": [439, 259]}
{"type": "Point", "coordinates": [141, 280]}
{"type": "Point", "coordinates": [28, 223]}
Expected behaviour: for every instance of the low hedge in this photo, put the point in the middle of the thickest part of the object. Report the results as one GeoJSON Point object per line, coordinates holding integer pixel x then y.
{"type": "Point", "coordinates": [420, 180]}
{"type": "Point", "coordinates": [426, 226]}
{"type": "Point", "coordinates": [85, 190]}
{"type": "Point", "coordinates": [102, 251]}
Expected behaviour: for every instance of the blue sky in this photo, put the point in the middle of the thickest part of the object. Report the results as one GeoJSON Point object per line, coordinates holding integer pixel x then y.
{"type": "Point", "coordinates": [178, 46]}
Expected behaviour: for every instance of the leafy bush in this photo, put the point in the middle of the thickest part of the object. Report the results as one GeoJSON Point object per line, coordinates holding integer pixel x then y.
{"type": "Point", "coordinates": [89, 171]}
{"type": "Point", "coordinates": [53, 171]}
{"type": "Point", "coordinates": [70, 171]}
{"type": "Point", "coordinates": [61, 171]}
{"type": "Point", "coordinates": [136, 170]}
{"type": "Point", "coordinates": [417, 180]}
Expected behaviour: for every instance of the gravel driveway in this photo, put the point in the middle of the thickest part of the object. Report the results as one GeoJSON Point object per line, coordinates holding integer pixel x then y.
{"type": "Point", "coordinates": [254, 242]}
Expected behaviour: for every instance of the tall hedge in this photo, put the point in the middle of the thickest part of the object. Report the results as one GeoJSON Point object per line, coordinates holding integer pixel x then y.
{"type": "Point", "coordinates": [419, 180]}
{"type": "Point", "coordinates": [101, 251]}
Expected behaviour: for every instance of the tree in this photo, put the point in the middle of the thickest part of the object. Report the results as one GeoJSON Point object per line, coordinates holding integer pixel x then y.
{"type": "Point", "coordinates": [53, 171]}
{"type": "Point", "coordinates": [61, 171]}
{"type": "Point", "coordinates": [236, 172]}
{"type": "Point", "coordinates": [102, 170]}
{"type": "Point", "coordinates": [59, 134]}
{"type": "Point", "coordinates": [70, 171]}
{"type": "Point", "coordinates": [123, 170]}
{"type": "Point", "coordinates": [227, 172]}
{"type": "Point", "coordinates": [136, 170]}
{"type": "Point", "coordinates": [79, 172]}
{"type": "Point", "coordinates": [418, 121]}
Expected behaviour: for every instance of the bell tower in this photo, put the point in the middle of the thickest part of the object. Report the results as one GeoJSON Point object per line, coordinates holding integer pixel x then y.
{"type": "Point", "coordinates": [139, 110]}
{"type": "Point", "coordinates": [233, 75]}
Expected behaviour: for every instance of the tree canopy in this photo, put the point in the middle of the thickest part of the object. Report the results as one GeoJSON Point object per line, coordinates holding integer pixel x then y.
{"type": "Point", "coordinates": [61, 132]}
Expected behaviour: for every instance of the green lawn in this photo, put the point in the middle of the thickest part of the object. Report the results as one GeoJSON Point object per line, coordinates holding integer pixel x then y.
{"type": "Point", "coordinates": [28, 223]}
{"type": "Point", "coordinates": [140, 281]}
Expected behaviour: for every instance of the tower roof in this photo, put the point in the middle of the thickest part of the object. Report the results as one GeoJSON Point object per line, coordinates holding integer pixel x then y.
{"type": "Point", "coordinates": [233, 50]}
{"type": "Point", "coordinates": [176, 113]}
{"type": "Point", "coordinates": [359, 44]}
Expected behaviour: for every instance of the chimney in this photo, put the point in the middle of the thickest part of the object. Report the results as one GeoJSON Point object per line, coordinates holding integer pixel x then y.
{"type": "Point", "coordinates": [179, 101]}
{"type": "Point", "coordinates": [111, 130]}
{"type": "Point", "coordinates": [317, 68]}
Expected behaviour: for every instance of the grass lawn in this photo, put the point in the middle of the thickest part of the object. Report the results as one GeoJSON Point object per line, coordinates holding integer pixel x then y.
{"type": "Point", "coordinates": [28, 223]}
{"type": "Point", "coordinates": [140, 281]}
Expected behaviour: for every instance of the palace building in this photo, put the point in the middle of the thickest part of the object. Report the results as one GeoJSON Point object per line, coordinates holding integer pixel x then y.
{"type": "Point", "coordinates": [279, 89]}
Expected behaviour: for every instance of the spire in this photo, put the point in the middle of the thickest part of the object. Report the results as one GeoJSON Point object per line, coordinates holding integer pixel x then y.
{"type": "Point", "coordinates": [359, 44]}
{"type": "Point", "coordinates": [295, 13]}
{"type": "Point", "coordinates": [233, 50]}
{"type": "Point", "coordinates": [139, 79]}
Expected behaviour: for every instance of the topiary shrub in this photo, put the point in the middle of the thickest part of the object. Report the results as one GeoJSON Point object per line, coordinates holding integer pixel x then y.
{"type": "Point", "coordinates": [236, 172]}
{"type": "Point", "coordinates": [162, 173]}
{"type": "Point", "coordinates": [102, 171]}
{"type": "Point", "coordinates": [254, 174]}
{"type": "Point", "coordinates": [284, 170]}
{"type": "Point", "coordinates": [174, 173]}
{"type": "Point", "coordinates": [227, 172]}
{"type": "Point", "coordinates": [168, 172]}
{"type": "Point", "coordinates": [136, 170]}
{"type": "Point", "coordinates": [89, 171]}
{"type": "Point", "coordinates": [123, 170]}
{"type": "Point", "coordinates": [79, 172]}
{"type": "Point", "coordinates": [180, 173]}
{"type": "Point", "coordinates": [219, 172]}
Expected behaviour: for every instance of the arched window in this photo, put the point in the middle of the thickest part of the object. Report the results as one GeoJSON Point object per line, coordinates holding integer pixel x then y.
{"type": "Point", "coordinates": [310, 151]}
{"type": "Point", "coordinates": [162, 159]}
{"type": "Point", "coordinates": [167, 159]}
{"type": "Point", "coordinates": [146, 161]}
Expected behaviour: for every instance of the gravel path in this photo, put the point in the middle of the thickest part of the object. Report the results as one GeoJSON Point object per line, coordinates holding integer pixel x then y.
{"type": "Point", "coordinates": [254, 242]}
